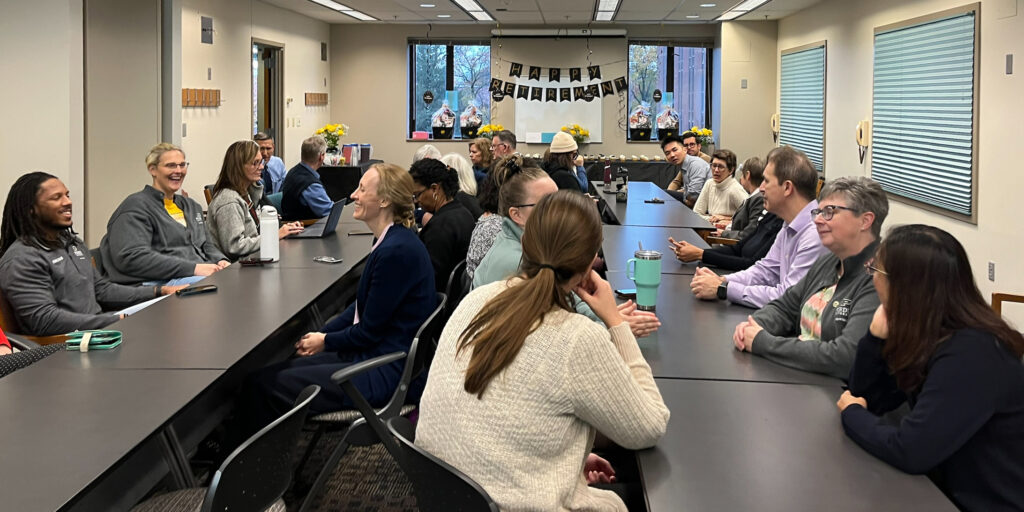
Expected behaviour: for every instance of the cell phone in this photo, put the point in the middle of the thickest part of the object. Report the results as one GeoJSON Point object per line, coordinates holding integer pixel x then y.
{"type": "Point", "coordinates": [626, 293]}
{"type": "Point", "coordinates": [196, 290]}
{"type": "Point", "coordinates": [256, 262]}
{"type": "Point", "coordinates": [327, 259]}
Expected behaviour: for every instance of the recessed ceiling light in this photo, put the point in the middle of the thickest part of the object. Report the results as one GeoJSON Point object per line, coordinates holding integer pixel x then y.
{"type": "Point", "coordinates": [431, 6]}
{"type": "Point", "coordinates": [702, 5]}
{"type": "Point", "coordinates": [332, 5]}
{"type": "Point", "coordinates": [607, 5]}
{"type": "Point", "coordinates": [481, 16]}
{"type": "Point", "coordinates": [604, 15]}
{"type": "Point", "coordinates": [444, 15]}
{"type": "Point", "coordinates": [692, 16]}
{"type": "Point", "coordinates": [359, 16]}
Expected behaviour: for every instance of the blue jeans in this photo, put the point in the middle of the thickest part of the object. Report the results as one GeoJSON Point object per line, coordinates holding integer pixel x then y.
{"type": "Point", "coordinates": [176, 282]}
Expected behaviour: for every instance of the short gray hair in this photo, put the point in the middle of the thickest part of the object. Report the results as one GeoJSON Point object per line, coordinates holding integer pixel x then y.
{"type": "Point", "coordinates": [507, 137]}
{"type": "Point", "coordinates": [312, 148]}
{"type": "Point", "coordinates": [426, 151]}
{"type": "Point", "coordinates": [863, 194]}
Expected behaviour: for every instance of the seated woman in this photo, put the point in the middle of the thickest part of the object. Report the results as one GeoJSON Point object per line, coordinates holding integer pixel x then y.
{"type": "Point", "coordinates": [158, 236]}
{"type": "Point", "coordinates": [467, 183]}
{"type": "Point", "coordinates": [520, 384]}
{"type": "Point", "coordinates": [815, 324]}
{"type": "Point", "coordinates": [395, 296]}
{"type": "Point", "coordinates": [481, 157]}
{"type": "Point", "coordinates": [560, 162]}
{"type": "Point", "coordinates": [447, 234]}
{"type": "Point", "coordinates": [744, 221]}
{"type": "Point", "coordinates": [233, 216]}
{"type": "Point", "coordinates": [721, 195]}
{"type": "Point", "coordinates": [937, 345]}
{"type": "Point", "coordinates": [46, 273]}
{"type": "Point", "coordinates": [489, 225]}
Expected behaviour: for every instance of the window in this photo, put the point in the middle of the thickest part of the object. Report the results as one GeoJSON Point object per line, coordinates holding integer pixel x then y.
{"type": "Point", "coordinates": [925, 102]}
{"type": "Point", "coordinates": [683, 71]}
{"type": "Point", "coordinates": [802, 101]}
{"type": "Point", "coordinates": [464, 68]}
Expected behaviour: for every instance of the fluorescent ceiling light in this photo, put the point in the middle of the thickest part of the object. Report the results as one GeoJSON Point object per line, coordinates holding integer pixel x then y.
{"type": "Point", "coordinates": [469, 5]}
{"type": "Point", "coordinates": [730, 15]}
{"type": "Point", "coordinates": [427, 6]}
{"type": "Point", "coordinates": [444, 15]}
{"type": "Point", "coordinates": [604, 15]}
{"type": "Point", "coordinates": [607, 5]}
{"type": "Point", "coordinates": [481, 16]}
{"type": "Point", "coordinates": [702, 5]}
{"type": "Point", "coordinates": [360, 16]}
{"type": "Point", "coordinates": [749, 5]}
{"type": "Point", "coordinates": [330, 4]}
{"type": "Point", "coordinates": [692, 16]}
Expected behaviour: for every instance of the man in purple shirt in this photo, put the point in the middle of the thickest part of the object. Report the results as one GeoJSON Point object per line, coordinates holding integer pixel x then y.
{"type": "Point", "coordinates": [789, 187]}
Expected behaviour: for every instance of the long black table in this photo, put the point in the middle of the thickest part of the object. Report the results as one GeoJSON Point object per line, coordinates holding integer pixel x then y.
{"type": "Point", "coordinates": [669, 213]}
{"type": "Point", "coordinates": [659, 172]}
{"type": "Point", "coordinates": [769, 447]}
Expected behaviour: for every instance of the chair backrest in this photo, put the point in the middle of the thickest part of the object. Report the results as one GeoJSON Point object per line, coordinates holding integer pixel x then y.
{"type": "Point", "coordinates": [999, 298]}
{"type": "Point", "coordinates": [421, 352]}
{"type": "Point", "coordinates": [438, 485]}
{"type": "Point", "coordinates": [275, 200]}
{"type": "Point", "coordinates": [10, 325]}
{"type": "Point", "coordinates": [259, 471]}
{"type": "Point", "coordinates": [456, 288]}
{"type": "Point", "coordinates": [97, 260]}
{"type": "Point", "coordinates": [208, 192]}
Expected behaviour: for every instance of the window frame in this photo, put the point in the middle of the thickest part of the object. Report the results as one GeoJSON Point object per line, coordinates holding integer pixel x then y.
{"type": "Point", "coordinates": [450, 44]}
{"type": "Point", "coordinates": [708, 47]}
{"type": "Point", "coordinates": [823, 44]}
{"type": "Point", "coordinates": [974, 8]}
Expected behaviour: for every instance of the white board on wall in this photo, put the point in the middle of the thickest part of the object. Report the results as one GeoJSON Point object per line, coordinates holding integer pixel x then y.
{"type": "Point", "coordinates": [534, 117]}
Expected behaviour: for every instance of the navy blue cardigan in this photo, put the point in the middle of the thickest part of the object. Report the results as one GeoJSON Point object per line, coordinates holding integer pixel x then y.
{"type": "Point", "coordinates": [395, 296]}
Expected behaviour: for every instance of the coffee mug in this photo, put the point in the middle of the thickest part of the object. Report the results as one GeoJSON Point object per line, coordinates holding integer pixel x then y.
{"type": "Point", "coordinates": [644, 268]}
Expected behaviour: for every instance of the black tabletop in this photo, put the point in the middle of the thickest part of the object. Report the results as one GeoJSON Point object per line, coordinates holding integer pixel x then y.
{"type": "Point", "coordinates": [659, 172]}
{"type": "Point", "coordinates": [769, 447]}
{"type": "Point", "coordinates": [620, 242]}
{"type": "Point", "coordinates": [62, 429]}
{"type": "Point", "coordinates": [344, 243]}
{"type": "Point", "coordinates": [695, 339]}
{"type": "Point", "coordinates": [669, 213]}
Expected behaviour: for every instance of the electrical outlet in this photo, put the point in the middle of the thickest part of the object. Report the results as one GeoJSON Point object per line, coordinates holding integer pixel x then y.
{"type": "Point", "coordinates": [298, 124]}
{"type": "Point", "coordinates": [992, 271]}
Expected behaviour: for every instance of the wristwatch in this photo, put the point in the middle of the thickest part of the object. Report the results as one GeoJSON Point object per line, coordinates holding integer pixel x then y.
{"type": "Point", "coordinates": [723, 291]}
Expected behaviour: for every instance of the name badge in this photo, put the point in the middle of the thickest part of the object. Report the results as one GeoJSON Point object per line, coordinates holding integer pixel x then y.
{"type": "Point", "coordinates": [57, 260]}
{"type": "Point", "coordinates": [842, 310]}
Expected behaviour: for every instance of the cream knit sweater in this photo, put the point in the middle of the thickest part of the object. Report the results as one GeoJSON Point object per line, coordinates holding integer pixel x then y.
{"type": "Point", "coordinates": [527, 439]}
{"type": "Point", "coordinates": [720, 198]}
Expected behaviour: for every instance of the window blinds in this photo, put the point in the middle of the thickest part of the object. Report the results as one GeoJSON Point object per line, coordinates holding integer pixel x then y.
{"type": "Point", "coordinates": [802, 98]}
{"type": "Point", "coordinates": [923, 112]}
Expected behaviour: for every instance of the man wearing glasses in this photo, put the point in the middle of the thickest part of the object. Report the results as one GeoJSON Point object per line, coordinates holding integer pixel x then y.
{"type": "Point", "coordinates": [503, 144]}
{"type": "Point", "coordinates": [789, 187]}
{"type": "Point", "coordinates": [693, 171]}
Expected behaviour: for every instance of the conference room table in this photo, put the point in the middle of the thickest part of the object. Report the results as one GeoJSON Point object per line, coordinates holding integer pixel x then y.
{"type": "Point", "coordinates": [636, 211]}
{"type": "Point", "coordinates": [659, 172]}
{"type": "Point", "coordinates": [621, 242]}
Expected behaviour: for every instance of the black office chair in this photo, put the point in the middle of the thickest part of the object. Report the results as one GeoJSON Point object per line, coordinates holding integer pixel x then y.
{"type": "Point", "coordinates": [358, 433]}
{"type": "Point", "coordinates": [438, 485]}
{"type": "Point", "coordinates": [457, 288]}
{"type": "Point", "coordinates": [253, 477]}
{"type": "Point", "coordinates": [97, 261]}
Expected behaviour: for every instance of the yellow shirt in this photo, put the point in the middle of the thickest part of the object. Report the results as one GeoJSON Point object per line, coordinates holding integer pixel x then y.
{"type": "Point", "coordinates": [175, 212]}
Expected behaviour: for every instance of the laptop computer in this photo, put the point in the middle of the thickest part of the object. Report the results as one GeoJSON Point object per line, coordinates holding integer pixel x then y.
{"type": "Point", "coordinates": [324, 226]}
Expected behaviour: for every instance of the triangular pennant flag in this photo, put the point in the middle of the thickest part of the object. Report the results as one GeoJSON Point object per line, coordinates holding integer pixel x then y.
{"type": "Point", "coordinates": [516, 69]}
{"type": "Point", "coordinates": [554, 75]}
{"type": "Point", "coordinates": [535, 73]}
{"type": "Point", "coordinates": [575, 75]}
{"type": "Point", "coordinates": [495, 85]}
{"type": "Point", "coordinates": [551, 94]}
{"type": "Point", "coordinates": [595, 72]}
{"type": "Point", "coordinates": [620, 84]}
{"type": "Point", "coordinates": [510, 89]}
{"type": "Point", "coordinates": [607, 88]}
{"type": "Point", "coordinates": [577, 93]}
{"type": "Point", "coordinates": [536, 93]}
{"type": "Point", "coordinates": [594, 90]}
{"type": "Point", "coordinates": [565, 94]}
{"type": "Point", "coordinates": [523, 92]}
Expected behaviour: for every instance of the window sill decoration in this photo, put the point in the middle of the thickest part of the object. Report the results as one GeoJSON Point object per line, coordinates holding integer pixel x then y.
{"type": "Point", "coordinates": [579, 134]}
{"type": "Point", "coordinates": [488, 130]}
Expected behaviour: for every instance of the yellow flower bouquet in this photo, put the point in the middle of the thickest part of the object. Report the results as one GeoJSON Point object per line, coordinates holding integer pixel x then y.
{"type": "Point", "coordinates": [703, 135]}
{"type": "Point", "coordinates": [487, 131]}
{"type": "Point", "coordinates": [332, 132]}
{"type": "Point", "coordinates": [579, 133]}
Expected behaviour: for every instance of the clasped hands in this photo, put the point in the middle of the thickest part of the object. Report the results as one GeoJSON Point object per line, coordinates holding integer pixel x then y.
{"type": "Point", "coordinates": [597, 293]}
{"type": "Point", "coordinates": [743, 336]}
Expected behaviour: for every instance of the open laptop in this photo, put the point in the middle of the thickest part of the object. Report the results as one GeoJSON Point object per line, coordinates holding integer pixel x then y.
{"type": "Point", "coordinates": [324, 226]}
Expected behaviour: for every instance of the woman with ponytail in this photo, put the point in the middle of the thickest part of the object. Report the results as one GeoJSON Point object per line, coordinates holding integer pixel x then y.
{"type": "Point", "coordinates": [395, 296]}
{"type": "Point", "coordinates": [520, 383]}
{"type": "Point", "coordinates": [447, 234]}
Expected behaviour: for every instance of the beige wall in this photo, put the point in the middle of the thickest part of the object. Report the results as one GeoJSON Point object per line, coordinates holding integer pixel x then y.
{"type": "Point", "coordinates": [376, 106]}
{"type": "Point", "coordinates": [748, 53]}
{"type": "Point", "coordinates": [848, 28]}
{"type": "Point", "coordinates": [41, 95]}
{"type": "Point", "coordinates": [236, 22]}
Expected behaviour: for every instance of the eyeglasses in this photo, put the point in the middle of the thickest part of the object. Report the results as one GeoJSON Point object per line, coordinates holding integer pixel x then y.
{"type": "Point", "coordinates": [690, 145]}
{"type": "Point", "coordinates": [523, 205]}
{"type": "Point", "coordinates": [720, 167]}
{"type": "Point", "coordinates": [499, 144]}
{"type": "Point", "coordinates": [416, 195]}
{"type": "Point", "coordinates": [871, 269]}
{"type": "Point", "coordinates": [829, 211]}
{"type": "Point", "coordinates": [181, 166]}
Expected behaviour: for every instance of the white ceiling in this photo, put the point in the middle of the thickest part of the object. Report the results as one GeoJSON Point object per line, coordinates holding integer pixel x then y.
{"type": "Point", "coordinates": [542, 12]}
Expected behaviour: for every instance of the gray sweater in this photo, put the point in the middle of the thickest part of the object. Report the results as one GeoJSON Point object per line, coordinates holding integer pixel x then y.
{"type": "Point", "coordinates": [844, 320]}
{"type": "Point", "coordinates": [58, 291]}
{"type": "Point", "coordinates": [230, 225]}
{"type": "Point", "coordinates": [143, 242]}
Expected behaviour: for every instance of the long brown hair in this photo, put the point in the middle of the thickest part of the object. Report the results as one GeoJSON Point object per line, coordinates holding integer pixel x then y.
{"type": "Point", "coordinates": [932, 294]}
{"type": "Point", "coordinates": [561, 238]}
{"type": "Point", "coordinates": [232, 171]}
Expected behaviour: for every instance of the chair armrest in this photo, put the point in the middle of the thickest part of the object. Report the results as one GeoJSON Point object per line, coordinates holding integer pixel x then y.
{"type": "Point", "coordinates": [20, 343]}
{"type": "Point", "coordinates": [999, 298]}
{"type": "Point", "coordinates": [348, 373]}
{"type": "Point", "coordinates": [721, 241]}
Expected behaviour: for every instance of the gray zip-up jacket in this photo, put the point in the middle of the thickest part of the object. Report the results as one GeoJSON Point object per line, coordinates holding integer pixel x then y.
{"type": "Point", "coordinates": [844, 320]}
{"type": "Point", "coordinates": [58, 291]}
{"type": "Point", "coordinates": [230, 225]}
{"type": "Point", "coordinates": [143, 242]}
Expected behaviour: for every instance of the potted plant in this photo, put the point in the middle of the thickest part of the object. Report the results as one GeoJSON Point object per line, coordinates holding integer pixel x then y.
{"type": "Point", "coordinates": [331, 133]}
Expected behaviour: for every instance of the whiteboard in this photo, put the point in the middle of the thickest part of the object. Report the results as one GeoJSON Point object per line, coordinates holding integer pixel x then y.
{"type": "Point", "coordinates": [534, 117]}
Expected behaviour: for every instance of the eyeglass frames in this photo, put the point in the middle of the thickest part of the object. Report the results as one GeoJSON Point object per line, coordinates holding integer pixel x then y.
{"type": "Point", "coordinates": [829, 211]}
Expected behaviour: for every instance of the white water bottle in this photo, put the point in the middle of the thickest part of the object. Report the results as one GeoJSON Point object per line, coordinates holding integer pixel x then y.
{"type": "Point", "coordinates": [270, 248]}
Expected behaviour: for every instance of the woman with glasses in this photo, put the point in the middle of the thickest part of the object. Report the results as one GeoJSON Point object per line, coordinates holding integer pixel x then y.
{"type": "Point", "coordinates": [157, 236]}
{"type": "Point", "coordinates": [233, 217]}
{"type": "Point", "coordinates": [447, 234]}
{"type": "Point", "coordinates": [560, 162]}
{"type": "Point", "coordinates": [935, 344]}
{"type": "Point", "coordinates": [815, 324]}
{"type": "Point", "coordinates": [721, 195]}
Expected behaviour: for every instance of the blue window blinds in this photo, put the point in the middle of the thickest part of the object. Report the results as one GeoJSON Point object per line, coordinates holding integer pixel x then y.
{"type": "Point", "coordinates": [802, 99]}
{"type": "Point", "coordinates": [923, 112]}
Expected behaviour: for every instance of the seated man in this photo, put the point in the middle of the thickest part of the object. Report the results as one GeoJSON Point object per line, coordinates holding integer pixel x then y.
{"type": "Point", "coordinates": [744, 221]}
{"type": "Point", "coordinates": [789, 185]}
{"type": "Point", "coordinates": [45, 271]}
{"type": "Point", "coordinates": [157, 236]}
{"type": "Point", "coordinates": [273, 167]}
{"type": "Point", "coordinates": [738, 256]}
{"type": "Point", "coordinates": [693, 171]}
{"type": "Point", "coordinates": [304, 196]}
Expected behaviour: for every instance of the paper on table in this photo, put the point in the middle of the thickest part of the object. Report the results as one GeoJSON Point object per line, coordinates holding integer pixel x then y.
{"type": "Point", "coordinates": [140, 306]}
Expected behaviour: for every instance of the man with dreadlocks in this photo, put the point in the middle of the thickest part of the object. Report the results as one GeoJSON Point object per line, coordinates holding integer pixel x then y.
{"type": "Point", "coordinates": [45, 270]}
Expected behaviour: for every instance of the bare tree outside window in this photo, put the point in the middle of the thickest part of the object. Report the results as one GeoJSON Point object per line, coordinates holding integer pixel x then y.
{"type": "Point", "coordinates": [471, 72]}
{"type": "Point", "coordinates": [648, 66]}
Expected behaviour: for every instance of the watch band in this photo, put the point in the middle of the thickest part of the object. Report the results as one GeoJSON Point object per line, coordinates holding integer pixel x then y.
{"type": "Point", "coordinates": [723, 291]}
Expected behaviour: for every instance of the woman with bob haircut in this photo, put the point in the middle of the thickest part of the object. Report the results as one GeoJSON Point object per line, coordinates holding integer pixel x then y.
{"type": "Point", "coordinates": [521, 383]}
{"type": "Point", "coordinates": [935, 344]}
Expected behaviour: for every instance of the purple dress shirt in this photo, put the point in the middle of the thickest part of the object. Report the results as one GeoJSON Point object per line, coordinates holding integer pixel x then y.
{"type": "Point", "coordinates": [795, 249]}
